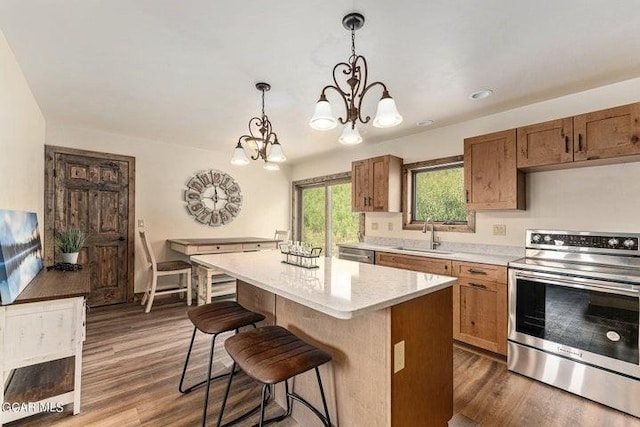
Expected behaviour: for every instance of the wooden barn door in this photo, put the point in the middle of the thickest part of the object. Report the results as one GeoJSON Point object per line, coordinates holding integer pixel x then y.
{"type": "Point", "coordinates": [94, 192]}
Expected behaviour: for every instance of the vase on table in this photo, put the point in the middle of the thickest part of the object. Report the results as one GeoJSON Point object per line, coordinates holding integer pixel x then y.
{"type": "Point", "coordinates": [70, 258]}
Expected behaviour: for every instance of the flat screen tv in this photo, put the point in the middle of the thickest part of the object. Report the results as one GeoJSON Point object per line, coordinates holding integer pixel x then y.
{"type": "Point", "coordinates": [20, 252]}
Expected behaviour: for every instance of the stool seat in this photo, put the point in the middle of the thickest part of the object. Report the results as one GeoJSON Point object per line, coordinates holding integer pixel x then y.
{"type": "Point", "coordinates": [272, 354]}
{"type": "Point", "coordinates": [172, 265]}
{"type": "Point", "coordinates": [222, 316]}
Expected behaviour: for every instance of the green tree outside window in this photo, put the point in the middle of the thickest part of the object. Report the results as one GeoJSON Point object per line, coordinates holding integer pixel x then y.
{"type": "Point", "coordinates": [438, 194]}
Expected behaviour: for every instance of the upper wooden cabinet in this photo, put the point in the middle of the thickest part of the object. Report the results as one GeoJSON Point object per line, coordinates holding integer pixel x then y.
{"type": "Point", "coordinates": [376, 184]}
{"type": "Point", "coordinates": [491, 177]}
{"type": "Point", "coordinates": [607, 133]}
{"type": "Point", "coordinates": [547, 143]}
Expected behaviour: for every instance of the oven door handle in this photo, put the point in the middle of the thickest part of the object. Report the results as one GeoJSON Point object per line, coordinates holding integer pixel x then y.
{"type": "Point", "coordinates": [574, 284]}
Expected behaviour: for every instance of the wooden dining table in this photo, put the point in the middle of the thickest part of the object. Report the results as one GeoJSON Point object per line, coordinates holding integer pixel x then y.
{"type": "Point", "coordinates": [211, 281]}
{"type": "Point", "coordinates": [202, 246]}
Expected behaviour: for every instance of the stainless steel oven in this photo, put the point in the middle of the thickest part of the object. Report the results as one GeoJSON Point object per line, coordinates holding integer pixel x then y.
{"type": "Point", "coordinates": [574, 304]}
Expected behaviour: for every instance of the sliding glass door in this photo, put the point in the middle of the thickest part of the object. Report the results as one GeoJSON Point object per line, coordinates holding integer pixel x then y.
{"type": "Point", "coordinates": [324, 214]}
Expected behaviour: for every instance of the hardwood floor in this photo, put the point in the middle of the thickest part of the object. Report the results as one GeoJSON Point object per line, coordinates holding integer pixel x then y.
{"type": "Point", "coordinates": [133, 361]}
{"type": "Point", "coordinates": [485, 392]}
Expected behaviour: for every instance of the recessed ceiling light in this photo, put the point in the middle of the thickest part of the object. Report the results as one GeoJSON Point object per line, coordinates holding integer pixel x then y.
{"type": "Point", "coordinates": [480, 94]}
{"type": "Point", "coordinates": [424, 123]}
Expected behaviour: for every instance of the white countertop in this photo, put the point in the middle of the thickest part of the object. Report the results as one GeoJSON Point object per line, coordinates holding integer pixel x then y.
{"type": "Point", "coordinates": [339, 288]}
{"type": "Point", "coordinates": [484, 258]}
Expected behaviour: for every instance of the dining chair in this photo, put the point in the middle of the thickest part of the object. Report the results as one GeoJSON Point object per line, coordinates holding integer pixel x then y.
{"type": "Point", "coordinates": [281, 235]}
{"type": "Point", "coordinates": [164, 268]}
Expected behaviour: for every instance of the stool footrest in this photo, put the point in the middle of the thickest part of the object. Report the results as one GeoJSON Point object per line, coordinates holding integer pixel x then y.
{"type": "Point", "coordinates": [246, 414]}
{"type": "Point", "coordinates": [300, 399]}
{"type": "Point", "coordinates": [203, 382]}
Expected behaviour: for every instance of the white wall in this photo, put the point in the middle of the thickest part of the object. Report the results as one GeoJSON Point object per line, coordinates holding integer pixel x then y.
{"type": "Point", "coordinates": [162, 171]}
{"type": "Point", "coordinates": [22, 133]}
{"type": "Point", "coordinates": [603, 198]}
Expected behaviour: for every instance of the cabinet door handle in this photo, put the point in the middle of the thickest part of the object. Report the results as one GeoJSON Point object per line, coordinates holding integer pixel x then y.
{"type": "Point", "coordinates": [476, 271]}
{"type": "Point", "coordinates": [566, 144]}
{"type": "Point", "coordinates": [579, 142]}
{"type": "Point", "coordinates": [365, 201]}
{"type": "Point", "coordinates": [467, 193]}
{"type": "Point", "coordinates": [477, 285]}
{"type": "Point", "coordinates": [370, 204]}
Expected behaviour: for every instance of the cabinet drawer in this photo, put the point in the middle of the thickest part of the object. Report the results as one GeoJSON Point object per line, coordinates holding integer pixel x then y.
{"type": "Point", "coordinates": [258, 246]}
{"type": "Point", "coordinates": [478, 284]}
{"type": "Point", "coordinates": [478, 271]}
{"type": "Point", "coordinates": [217, 249]}
{"type": "Point", "coordinates": [415, 263]}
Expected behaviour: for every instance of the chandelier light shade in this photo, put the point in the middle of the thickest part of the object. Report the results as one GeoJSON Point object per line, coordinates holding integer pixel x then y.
{"type": "Point", "coordinates": [261, 142]}
{"type": "Point", "coordinates": [350, 135]}
{"type": "Point", "coordinates": [323, 116]}
{"type": "Point", "coordinates": [352, 93]}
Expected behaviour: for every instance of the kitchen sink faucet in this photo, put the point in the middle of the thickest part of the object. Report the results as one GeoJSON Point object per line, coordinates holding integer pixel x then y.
{"type": "Point", "coordinates": [433, 243]}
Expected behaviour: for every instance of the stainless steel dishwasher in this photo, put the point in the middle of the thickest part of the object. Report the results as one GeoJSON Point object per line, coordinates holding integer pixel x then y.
{"type": "Point", "coordinates": [356, 254]}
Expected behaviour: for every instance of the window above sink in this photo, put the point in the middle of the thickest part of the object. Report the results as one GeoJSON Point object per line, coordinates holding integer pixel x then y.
{"type": "Point", "coordinates": [434, 189]}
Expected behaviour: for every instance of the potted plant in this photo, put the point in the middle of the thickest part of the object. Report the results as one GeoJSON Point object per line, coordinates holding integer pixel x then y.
{"type": "Point", "coordinates": [70, 243]}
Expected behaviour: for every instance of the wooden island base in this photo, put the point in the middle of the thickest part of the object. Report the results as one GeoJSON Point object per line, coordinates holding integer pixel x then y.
{"type": "Point", "coordinates": [369, 382]}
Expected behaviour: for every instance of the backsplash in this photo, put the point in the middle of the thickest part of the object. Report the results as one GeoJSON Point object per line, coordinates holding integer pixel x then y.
{"type": "Point", "coordinates": [514, 251]}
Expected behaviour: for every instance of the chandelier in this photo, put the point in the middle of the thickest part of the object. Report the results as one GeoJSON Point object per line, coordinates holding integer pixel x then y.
{"type": "Point", "coordinates": [355, 71]}
{"type": "Point", "coordinates": [262, 141]}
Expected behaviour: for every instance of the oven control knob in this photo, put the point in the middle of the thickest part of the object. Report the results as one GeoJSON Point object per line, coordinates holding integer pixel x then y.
{"type": "Point", "coordinates": [629, 243]}
{"type": "Point", "coordinates": [536, 238]}
{"type": "Point", "coordinates": [547, 238]}
{"type": "Point", "coordinates": [613, 242]}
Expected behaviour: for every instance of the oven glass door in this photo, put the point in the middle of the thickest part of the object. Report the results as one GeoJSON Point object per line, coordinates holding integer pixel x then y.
{"type": "Point", "coordinates": [578, 317]}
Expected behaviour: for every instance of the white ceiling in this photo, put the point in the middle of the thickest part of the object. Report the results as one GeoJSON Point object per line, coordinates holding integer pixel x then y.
{"type": "Point", "coordinates": [183, 71]}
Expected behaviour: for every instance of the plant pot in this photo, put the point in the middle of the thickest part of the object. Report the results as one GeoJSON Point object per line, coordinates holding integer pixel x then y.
{"type": "Point", "coordinates": [70, 258]}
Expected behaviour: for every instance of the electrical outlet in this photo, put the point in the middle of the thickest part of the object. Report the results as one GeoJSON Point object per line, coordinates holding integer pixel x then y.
{"type": "Point", "coordinates": [398, 357]}
{"type": "Point", "coordinates": [141, 223]}
{"type": "Point", "coordinates": [374, 225]}
{"type": "Point", "coordinates": [499, 229]}
{"type": "Point", "coordinates": [390, 226]}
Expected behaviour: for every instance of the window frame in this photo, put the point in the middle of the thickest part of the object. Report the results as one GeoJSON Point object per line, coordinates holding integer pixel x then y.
{"type": "Point", "coordinates": [322, 181]}
{"type": "Point", "coordinates": [408, 193]}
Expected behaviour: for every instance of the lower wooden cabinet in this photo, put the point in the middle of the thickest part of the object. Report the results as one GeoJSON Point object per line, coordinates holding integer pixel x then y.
{"type": "Point", "coordinates": [479, 297]}
{"type": "Point", "coordinates": [415, 263]}
{"type": "Point", "coordinates": [480, 306]}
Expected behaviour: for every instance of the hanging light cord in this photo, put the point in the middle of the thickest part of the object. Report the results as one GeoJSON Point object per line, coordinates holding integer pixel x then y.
{"type": "Point", "coordinates": [353, 40]}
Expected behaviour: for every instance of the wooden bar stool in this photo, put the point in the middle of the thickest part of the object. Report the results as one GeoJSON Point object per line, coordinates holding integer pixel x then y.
{"type": "Point", "coordinates": [270, 355]}
{"type": "Point", "coordinates": [214, 319]}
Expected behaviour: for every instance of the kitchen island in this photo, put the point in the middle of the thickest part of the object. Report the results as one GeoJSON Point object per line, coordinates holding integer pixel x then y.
{"type": "Point", "coordinates": [389, 332]}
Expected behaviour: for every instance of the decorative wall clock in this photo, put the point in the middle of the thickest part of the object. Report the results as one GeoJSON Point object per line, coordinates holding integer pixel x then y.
{"type": "Point", "coordinates": [213, 197]}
